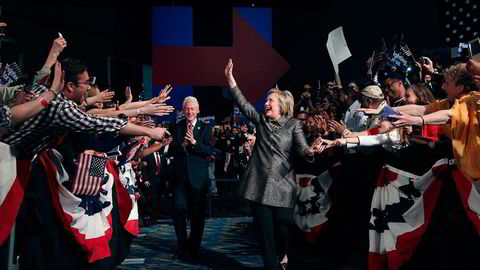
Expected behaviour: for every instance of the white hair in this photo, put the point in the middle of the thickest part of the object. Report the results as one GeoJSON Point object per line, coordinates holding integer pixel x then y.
{"type": "Point", "coordinates": [191, 99]}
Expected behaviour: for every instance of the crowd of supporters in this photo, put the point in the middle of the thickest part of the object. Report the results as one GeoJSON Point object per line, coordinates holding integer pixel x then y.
{"type": "Point", "coordinates": [56, 123]}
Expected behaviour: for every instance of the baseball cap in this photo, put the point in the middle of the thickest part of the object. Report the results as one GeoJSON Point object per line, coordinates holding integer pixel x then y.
{"type": "Point", "coordinates": [373, 91]}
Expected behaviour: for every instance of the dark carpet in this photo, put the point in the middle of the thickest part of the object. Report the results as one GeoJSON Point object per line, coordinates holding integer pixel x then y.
{"type": "Point", "coordinates": [229, 243]}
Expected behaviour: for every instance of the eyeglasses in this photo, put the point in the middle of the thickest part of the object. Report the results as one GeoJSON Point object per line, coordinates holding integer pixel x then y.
{"type": "Point", "coordinates": [89, 82]}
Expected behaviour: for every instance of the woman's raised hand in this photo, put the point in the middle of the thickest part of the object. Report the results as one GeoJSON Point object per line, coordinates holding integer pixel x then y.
{"type": "Point", "coordinates": [229, 74]}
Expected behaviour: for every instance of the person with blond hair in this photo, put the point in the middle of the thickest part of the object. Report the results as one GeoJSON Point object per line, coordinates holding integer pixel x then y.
{"type": "Point", "coordinates": [269, 180]}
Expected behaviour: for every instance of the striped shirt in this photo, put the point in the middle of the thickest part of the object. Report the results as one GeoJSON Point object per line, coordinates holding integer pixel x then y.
{"type": "Point", "coordinates": [37, 133]}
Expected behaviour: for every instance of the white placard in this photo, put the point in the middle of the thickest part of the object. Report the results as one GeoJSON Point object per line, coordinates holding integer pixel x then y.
{"type": "Point", "coordinates": [337, 47]}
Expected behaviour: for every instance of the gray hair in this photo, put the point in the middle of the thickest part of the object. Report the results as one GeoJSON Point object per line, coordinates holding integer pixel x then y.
{"type": "Point", "coordinates": [191, 99]}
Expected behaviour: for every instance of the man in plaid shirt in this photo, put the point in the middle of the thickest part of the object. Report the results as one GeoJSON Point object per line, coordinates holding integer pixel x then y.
{"type": "Point", "coordinates": [36, 135]}
{"type": "Point", "coordinates": [63, 114]}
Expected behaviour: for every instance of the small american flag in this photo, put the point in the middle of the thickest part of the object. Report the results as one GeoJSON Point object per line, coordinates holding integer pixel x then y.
{"type": "Point", "coordinates": [89, 176]}
{"type": "Point", "coordinates": [378, 59]}
{"type": "Point", "coordinates": [10, 73]}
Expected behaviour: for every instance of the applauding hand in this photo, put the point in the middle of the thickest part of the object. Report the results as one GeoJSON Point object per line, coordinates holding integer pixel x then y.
{"type": "Point", "coordinates": [189, 137]}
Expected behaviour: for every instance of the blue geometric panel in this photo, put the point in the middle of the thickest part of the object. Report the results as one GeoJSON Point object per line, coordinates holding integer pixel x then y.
{"type": "Point", "coordinates": [172, 26]}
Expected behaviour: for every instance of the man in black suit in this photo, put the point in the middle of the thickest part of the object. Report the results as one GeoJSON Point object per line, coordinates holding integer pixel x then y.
{"type": "Point", "coordinates": [191, 145]}
{"type": "Point", "coordinates": [152, 173]}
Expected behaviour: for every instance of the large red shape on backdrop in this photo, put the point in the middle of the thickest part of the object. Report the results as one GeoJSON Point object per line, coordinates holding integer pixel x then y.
{"type": "Point", "coordinates": [257, 65]}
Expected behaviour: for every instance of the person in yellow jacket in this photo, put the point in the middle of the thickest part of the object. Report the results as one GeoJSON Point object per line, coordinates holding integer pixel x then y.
{"type": "Point", "coordinates": [459, 113]}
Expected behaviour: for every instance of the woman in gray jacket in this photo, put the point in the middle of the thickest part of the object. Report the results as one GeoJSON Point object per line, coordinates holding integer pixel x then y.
{"type": "Point", "coordinates": [269, 180]}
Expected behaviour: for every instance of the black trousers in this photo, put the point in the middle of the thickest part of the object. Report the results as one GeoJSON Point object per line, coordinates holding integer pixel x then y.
{"type": "Point", "coordinates": [273, 224]}
{"type": "Point", "coordinates": [192, 202]}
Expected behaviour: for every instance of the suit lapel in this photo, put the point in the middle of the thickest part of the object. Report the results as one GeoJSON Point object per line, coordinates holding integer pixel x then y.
{"type": "Point", "coordinates": [182, 130]}
{"type": "Point", "coordinates": [196, 130]}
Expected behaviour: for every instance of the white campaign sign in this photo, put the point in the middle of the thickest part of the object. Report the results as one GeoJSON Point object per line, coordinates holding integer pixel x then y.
{"type": "Point", "coordinates": [337, 47]}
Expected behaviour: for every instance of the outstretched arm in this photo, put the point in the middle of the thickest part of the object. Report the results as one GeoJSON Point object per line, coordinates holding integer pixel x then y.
{"type": "Point", "coordinates": [26, 110]}
{"type": "Point", "coordinates": [162, 97]}
{"type": "Point", "coordinates": [435, 118]}
{"type": "Point", "coordinates": [411, 109]}
{"type": "Point", "coordinates": [57, 47]}
{"type": "Point", "coordinates": [150, 109]}
{"type": "Point", "coordinates": [408, 109]}
{"type": "Point", "coordinates": [102, 97]}
{"type": "Point", "coordinates": [153, 148]}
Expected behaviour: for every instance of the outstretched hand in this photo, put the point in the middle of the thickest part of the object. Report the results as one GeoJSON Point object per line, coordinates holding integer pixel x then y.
{"type": "Point", "coordinates": [369, 111]}
{"type": "Point", "coordinates": [317, 146]}
{"type": "Point", "coordinates": [160, 109]}
{"type": "Point", "coordinates": [128, 94]}
{"type": "Point", "coordinates": [320, 122]}
{"type": "Point", "coordinates": [158, 133]}
{"type": "Point", "coordinates": [336, 126]}
{"type": "Point", "coordinates": [339, 142]}
{"type": "Point", "coordinates": [163, 95]}
{"type": "Point", "coordinates": [105, 96]}
{"type": "Point", "coordinates": [58, 45]}
{"type": "Point", "coordinates": [406, 120]}
{"type": "Point", "coordinates": [428, 65]}
{"type": "Point", "coordinates": [165, 92]}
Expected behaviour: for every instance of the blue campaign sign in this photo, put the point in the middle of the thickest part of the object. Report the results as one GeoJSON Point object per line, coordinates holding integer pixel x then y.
{"type": "Point", "coordinates": [172, 38]}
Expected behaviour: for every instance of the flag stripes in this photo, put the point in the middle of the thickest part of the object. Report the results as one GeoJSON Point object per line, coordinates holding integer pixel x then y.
{"type": "Point", "coordinates": [89, 176]}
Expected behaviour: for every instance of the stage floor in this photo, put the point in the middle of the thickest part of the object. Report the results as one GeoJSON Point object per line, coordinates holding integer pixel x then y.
{"type": "Point", "coordinates": [228, 243]}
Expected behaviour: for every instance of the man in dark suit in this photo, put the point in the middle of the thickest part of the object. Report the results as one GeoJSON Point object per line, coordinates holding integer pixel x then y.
{"type": "Point", "coordinates": [152, 174]}
{"type": "Point", "coordinates": [191, 145]}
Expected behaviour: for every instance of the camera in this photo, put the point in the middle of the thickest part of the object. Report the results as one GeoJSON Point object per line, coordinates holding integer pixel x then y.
{"type": "Point", "coordinates": [474, 49]}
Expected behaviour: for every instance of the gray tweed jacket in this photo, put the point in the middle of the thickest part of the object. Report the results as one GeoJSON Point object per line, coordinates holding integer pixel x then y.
{"type": "Point", "coordinates": [270, 177]}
